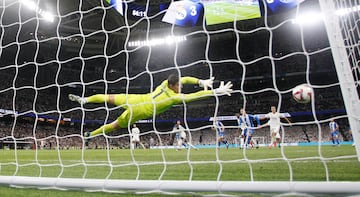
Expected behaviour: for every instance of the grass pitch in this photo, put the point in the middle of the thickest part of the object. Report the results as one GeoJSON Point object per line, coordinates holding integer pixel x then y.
{"type": "Point", "coordinates": [288, 163]}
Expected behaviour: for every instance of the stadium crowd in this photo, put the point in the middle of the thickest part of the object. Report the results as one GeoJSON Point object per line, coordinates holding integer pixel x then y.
{"type": "Point", "coordinates": [35, 110]}
{"type": "Point", "coordinates": [46, 135]}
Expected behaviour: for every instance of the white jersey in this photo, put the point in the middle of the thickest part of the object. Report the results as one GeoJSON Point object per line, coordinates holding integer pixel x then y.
{"type": "Point", "coordinates": [135, 132]}
{"type": "Point", "coordinates": [180, 131]}
{"type": "Point", "coordinates": [274, 119]}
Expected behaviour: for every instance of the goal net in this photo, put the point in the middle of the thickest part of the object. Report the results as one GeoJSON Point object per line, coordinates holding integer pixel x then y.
{"type": "Point", "coordinates": [77, 74]}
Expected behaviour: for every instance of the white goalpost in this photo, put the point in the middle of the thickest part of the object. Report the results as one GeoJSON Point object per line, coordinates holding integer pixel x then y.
{"type": "Point", "coordinates": [182, 186]}
{"type": "Point", "coordinates": [346, 55]}
{"type": "Point", "coordinates": [45, 55]}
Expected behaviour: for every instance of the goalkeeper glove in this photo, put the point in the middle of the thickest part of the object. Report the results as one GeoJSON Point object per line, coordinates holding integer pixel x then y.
{"type": "Point", "coordinates": [224, 89]}
{"type": "Point", "coordinates": [207, 83]}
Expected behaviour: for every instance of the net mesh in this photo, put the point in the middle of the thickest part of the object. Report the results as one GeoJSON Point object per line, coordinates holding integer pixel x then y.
{"type": "Point", "coordinates": [50, 50]}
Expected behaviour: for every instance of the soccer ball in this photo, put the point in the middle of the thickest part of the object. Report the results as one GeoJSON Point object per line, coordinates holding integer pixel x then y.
{"type": "Point", "coordinates": [302, 93]}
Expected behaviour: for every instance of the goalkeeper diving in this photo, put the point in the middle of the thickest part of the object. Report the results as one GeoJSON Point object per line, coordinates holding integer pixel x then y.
{"type": "Point", "coordinates": [143, 106]}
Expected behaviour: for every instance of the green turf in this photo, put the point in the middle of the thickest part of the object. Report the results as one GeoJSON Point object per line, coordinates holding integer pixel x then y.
{"type": "Point", "coordinates": [225, 12]}
{"type": "Point", "coordinates": [305, 164]}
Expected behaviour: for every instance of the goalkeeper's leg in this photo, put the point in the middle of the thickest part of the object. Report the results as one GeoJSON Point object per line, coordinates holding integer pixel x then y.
{"type": "Point", "coordinates": [97, 98]}
{"type": "Point", "coordinates": [105, 129]}
{"type": "Point", "coordinates": [122, 121]}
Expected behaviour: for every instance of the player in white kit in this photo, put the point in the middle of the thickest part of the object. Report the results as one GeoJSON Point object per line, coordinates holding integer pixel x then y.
{"type": "Point", "coordinates": [135, 137]}
{"type": "Point", "coordinates": [180, 135]}
{"type": "Point", "coordinates": [275, 124]}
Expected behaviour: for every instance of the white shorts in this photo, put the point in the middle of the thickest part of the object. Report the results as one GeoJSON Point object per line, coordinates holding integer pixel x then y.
{"type": "Point", "coordinates": [180, 142]}
{"type": "Point", "coordinates": [136, 139]}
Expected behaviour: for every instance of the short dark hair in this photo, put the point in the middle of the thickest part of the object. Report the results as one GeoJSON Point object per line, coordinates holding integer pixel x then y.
{"type": "Point", "coordinates": [173, 79]}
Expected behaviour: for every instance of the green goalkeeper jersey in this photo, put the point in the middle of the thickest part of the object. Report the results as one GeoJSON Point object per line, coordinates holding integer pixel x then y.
{"type": "Point", "coordinates": [144, 106]}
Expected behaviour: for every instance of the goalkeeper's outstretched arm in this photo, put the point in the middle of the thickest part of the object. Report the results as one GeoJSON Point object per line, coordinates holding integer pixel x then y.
{"type": "Point", "coordinates": [223, 89]}
{"type": "Point", "coordinates": [204, 83]}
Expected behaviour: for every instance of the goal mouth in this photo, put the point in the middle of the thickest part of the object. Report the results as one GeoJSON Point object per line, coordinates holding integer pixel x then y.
{"type": "Point", "coordinates": [204, 97]}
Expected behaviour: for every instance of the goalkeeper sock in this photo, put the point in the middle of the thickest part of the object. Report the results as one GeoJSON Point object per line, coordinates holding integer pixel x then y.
{"type": "Point", "coordinates": [98, 98]}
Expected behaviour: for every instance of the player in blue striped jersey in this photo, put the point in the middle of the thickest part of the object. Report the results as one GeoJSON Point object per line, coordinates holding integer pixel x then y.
{"type": "Point", "coordinates": [334, 132]}
{"type": "Point", "coordinates": [220, 129]}
{"type": "Point", "coordinates": [246, 123]}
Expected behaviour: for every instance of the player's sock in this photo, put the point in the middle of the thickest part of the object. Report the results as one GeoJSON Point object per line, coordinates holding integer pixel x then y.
{"type": "Point", "coordinates": [333, 141]}
{"type": "Point", "coordinates": [78, 99]}
{"type": "Point", "coordinates": [271, 143]}
{"type": "Point", "coordinates": [241, 143]}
